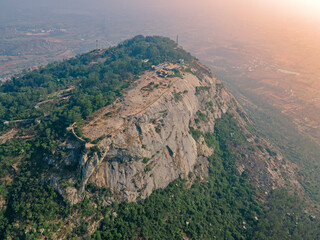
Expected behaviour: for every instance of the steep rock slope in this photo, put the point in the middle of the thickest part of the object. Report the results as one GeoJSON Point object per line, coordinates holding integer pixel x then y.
{"type": "Point", "coordinates": [144, 140]}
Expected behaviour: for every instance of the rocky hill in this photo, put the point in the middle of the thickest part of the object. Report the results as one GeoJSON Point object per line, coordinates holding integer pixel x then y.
{"type": "Point", "coordinates": [119, 125]}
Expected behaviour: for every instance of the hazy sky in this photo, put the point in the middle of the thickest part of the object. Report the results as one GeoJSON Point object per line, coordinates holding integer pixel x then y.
{"type": "Point", "coordinates": [308, 9]}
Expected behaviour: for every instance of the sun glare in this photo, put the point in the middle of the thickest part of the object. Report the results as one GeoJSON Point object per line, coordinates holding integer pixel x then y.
{"type": "Point", "coordinates": [311, 4]}
{"type": "Point", "coordinates": [308, 9]}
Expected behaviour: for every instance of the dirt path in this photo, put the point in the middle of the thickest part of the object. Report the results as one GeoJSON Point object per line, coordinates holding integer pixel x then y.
{"type": "Point", "coordinates": [74, 133]}
{"type": "Point", "coordinates": [57, 96]}
{"type": "Point", "coordinates": [8, 135]}
{"type": "Point", "coordinates": [43, 102]}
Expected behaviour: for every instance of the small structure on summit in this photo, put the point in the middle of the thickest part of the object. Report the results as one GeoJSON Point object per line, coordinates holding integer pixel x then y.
{"type": "Point", "coordinates": [164, 72]}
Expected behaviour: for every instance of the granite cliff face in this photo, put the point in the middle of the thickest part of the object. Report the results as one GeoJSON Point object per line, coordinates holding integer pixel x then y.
{"type": "Point", "coordinates": [143, 141]}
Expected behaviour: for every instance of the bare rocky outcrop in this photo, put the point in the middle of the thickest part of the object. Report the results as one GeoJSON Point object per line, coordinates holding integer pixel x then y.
{"type": "Point", "coordinates": [143, 142]}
